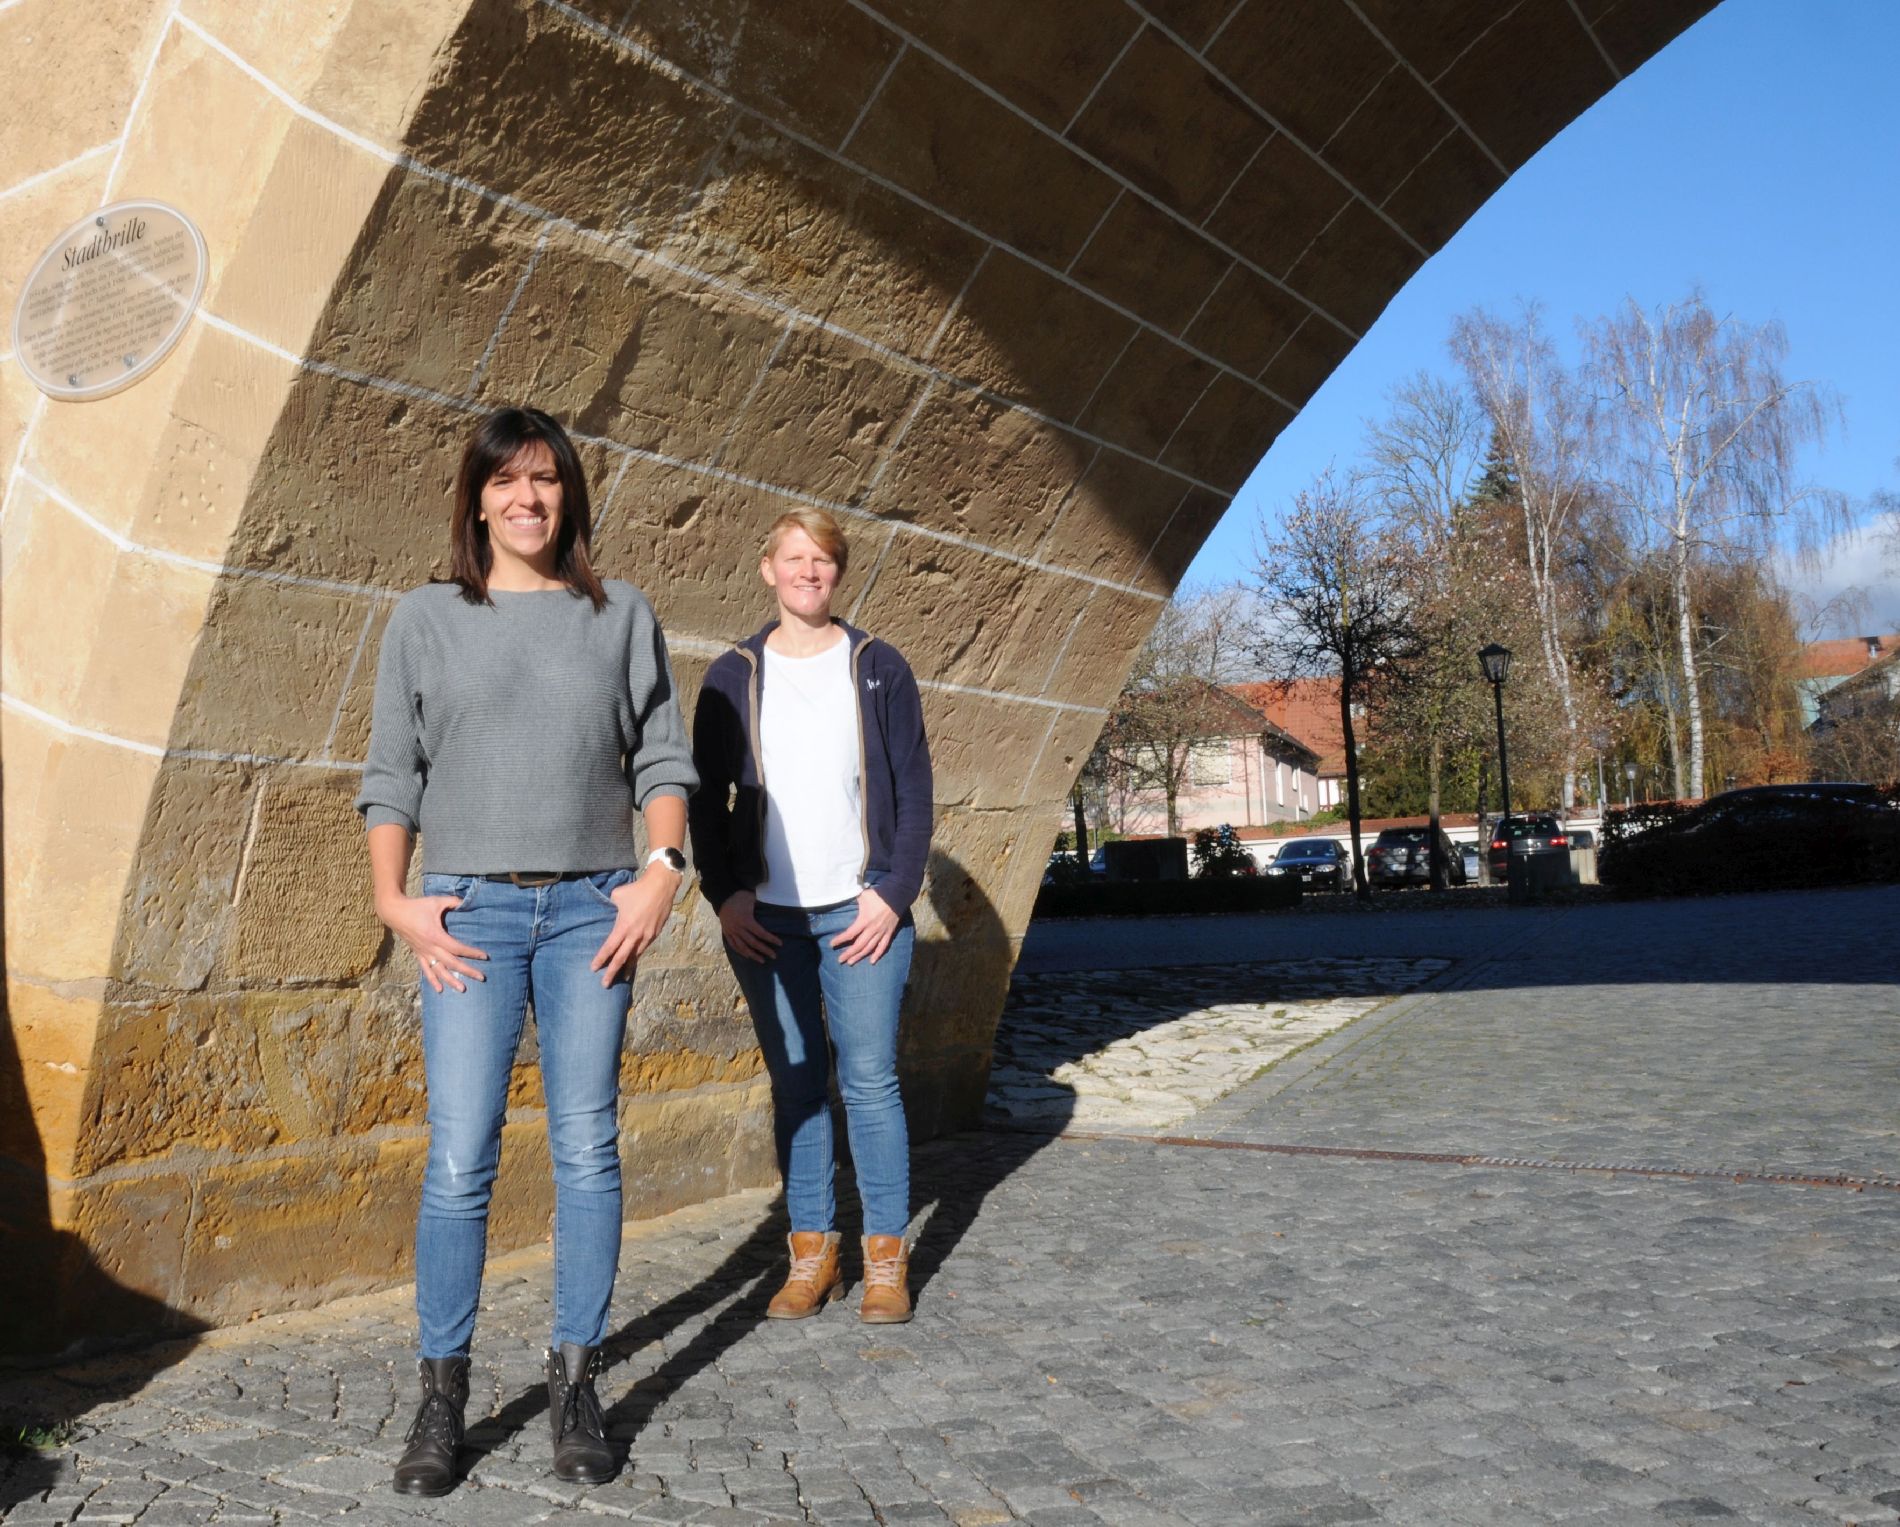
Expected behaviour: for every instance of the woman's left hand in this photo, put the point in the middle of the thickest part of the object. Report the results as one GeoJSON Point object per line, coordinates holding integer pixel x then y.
{"type": "Point", "coordinates": [644, 905]}
{"type": "Point", "coordinates": [870, 933]}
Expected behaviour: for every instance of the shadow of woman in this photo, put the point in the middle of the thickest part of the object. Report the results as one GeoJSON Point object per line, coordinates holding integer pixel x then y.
{"type": "Point", "coordinates": [958, 982]}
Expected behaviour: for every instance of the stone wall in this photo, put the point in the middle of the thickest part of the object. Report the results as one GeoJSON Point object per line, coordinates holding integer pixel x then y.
{"type": "Point", "coordinates": [1021, 291]}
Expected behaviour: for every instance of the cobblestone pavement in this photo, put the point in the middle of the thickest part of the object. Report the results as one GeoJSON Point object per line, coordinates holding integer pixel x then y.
{"type": "Point", "coordinates": [1156, 1331]}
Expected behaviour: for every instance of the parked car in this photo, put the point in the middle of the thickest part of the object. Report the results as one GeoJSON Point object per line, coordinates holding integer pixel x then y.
{"type": "Point", "coordinates": [1582, 837]}
{"type": "Point", "coordinates": [1761, 837]}
{"type": "Point", "coordinates": [1533, 832]}
{"type": "Point", "coordinates": [1403, 856]}
{"type": "Point", "coordinates": [1314, 861]}
{"type": "Point", "coordinates": [1468, 856]}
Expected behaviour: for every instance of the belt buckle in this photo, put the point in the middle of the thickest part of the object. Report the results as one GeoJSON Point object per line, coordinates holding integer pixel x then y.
{"type": "Point", "coordinates": [529, 882]}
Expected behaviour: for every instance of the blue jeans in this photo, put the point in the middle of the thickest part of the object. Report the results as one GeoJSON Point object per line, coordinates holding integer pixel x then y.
{"type": "Point", "coordinates": [795, 997]}
{"type": "Point", "coordinates": [539, 941]}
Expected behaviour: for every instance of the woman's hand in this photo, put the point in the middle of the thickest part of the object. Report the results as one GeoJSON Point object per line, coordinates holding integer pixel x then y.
{"type": "Point", "coordinates": [643, 904]}
{"type": "Point", "coordinates": [417, 921]}
{"type": "Point", "coordinates": [870, 933]}
{"type": "Point", "coordinates": [743, 930]}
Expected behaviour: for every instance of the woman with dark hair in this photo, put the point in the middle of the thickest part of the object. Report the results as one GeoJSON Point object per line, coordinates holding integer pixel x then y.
{"type": "Point", "coordinates": [810, 832]}
{"type": "Point", "coordinates": [524, 710]}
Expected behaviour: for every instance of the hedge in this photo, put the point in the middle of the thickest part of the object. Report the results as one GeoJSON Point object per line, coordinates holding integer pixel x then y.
{"type": "Point", "coordinates": [1166, 898]}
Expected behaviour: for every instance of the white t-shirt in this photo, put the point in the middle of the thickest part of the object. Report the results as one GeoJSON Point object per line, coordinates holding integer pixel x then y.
{"type": "Point", "coordinates": [814, 824]}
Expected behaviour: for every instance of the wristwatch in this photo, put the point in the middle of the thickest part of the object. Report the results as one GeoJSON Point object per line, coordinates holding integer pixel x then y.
{"type": "Point", "coordinates": [672, 858]}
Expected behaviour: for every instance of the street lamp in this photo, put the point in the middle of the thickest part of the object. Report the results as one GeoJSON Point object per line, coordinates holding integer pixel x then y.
{"type": "Point", "coordinates": [1496, 663]}
{"type": "Point", "coordinates": [1629, 791]}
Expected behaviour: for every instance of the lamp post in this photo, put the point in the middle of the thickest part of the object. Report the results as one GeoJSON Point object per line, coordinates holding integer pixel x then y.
{"type": "Point", "coordinates": [1496, 663]}
{"type": "Point", "coordinates": [1629, 790]}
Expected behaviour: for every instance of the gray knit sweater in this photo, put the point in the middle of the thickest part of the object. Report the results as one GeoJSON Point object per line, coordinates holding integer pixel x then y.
{"type": "Point", "coordinates": [523, 735]}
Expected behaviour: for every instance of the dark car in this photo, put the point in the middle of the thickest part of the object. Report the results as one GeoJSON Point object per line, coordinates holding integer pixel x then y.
{"type": "Point", "coordinates": [1533, 832]}
{"type": "Point", "coordinates": [1761, 838]}
{"type": "Point", "coordinates": [1403, 856]}
{"type": "Point", "coordinates": [1314, 861]}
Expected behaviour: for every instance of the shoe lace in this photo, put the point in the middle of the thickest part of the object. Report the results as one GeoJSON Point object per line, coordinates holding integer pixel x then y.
{"type": "Point", "coordinates": [435, 1419]}
{"type": "Point", "coordinates": [887, 1272]}
{"type": "Point", "coordinates": [805, 1269]}
{"type": "Point", "coordinates": [580, 1406]}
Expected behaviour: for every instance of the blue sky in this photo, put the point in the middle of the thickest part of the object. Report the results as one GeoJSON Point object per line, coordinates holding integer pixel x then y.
{"type": "Point", "coordinates": [1757, 156]}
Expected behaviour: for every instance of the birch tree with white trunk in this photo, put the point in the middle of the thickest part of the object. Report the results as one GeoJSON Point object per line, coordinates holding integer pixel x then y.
{"type": "Point", "coordinates": [1546, 427]}
{"type": "Point", "coordinates": [1705, 432]}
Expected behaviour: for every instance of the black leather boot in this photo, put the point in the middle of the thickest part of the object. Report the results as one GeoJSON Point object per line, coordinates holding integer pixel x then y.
{"type": "Point", "coordinates": [581, 1452]}
{"type": "Point", "coordinates": [435, 1436]}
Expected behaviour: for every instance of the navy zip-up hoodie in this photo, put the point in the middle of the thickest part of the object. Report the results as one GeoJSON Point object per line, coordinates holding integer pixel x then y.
{"type": "Point", "coordinates": [727, 813]}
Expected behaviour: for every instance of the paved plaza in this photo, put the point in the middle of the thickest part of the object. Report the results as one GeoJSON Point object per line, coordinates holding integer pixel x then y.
{"type": "Point", "coordinates": [1544, 1215]}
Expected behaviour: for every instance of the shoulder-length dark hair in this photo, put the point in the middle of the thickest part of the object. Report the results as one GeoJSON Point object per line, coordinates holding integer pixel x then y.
{"type": "Point", "coordinates": [495, 442]}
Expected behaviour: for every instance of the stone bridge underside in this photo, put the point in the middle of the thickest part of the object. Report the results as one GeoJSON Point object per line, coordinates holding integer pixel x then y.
{"type": "Point", "coordinates": [1023, 290]}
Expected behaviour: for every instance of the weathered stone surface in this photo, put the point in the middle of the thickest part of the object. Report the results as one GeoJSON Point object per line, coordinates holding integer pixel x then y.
{"type": "Point", "coordinates": [979, 469]}
{"type": "Point", "coordinates": [1023, 333]}
{"type": "Point", "coordinates": [1152, 264]}
{"type": "Point", "coordinates": [811, 64]}
{"type": "Point", "coordinates": [179, 907]}
{"type": "Point", "coordinates": [1309, 66]}
{"type": "Point", "coordinates": [48, 1027]}
{"type": "Point", "coordinates": [1143, 400]}
{"type": "Point", "coordinates": [1246, 320]}
{"type": "Point", "coordinates": [798, 228]}
{"type": "Point", "coordinates": [1278, 205]}
{"type": "Point", "coordinates": [941, 139]}
{"type": "Point", "coordinates": [1555, 72]}
{"type": "Point", "coordinates": [77, 68]}
{"type": "Point", "coordinates": [303, 909]}
{"type": "Point", "coordinates": [1170, 126]}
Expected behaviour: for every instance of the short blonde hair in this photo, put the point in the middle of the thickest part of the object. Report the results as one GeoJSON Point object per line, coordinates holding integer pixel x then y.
{"type": "Point", "coordinates": [820, 524]}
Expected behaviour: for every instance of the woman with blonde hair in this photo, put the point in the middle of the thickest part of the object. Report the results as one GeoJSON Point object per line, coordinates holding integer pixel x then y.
{"type": "Point", "coordinates": [525, 709]}
{"type": "Point", "coordinates": [810, 832]}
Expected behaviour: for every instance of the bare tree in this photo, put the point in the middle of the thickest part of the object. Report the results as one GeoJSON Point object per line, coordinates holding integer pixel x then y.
{"type": "Point", "coordinates": [1172, 701]}
{"type": "Point", "coordinates": [1424, 455]}
{"type": "Point", "coordinates": [1708, 429]}
{"type": "Point", "coordinates": [1545, 427]}
{"type": "Point", "coordinates": [1336, 600]}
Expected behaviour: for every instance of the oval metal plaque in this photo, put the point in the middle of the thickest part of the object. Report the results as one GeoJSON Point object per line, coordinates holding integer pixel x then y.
{"type": "Point", "coordinates": [108, 301]}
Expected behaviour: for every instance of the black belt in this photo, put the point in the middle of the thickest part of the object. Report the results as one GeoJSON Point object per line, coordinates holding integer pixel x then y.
{"type": "Point", "coordinates": [528, 879]}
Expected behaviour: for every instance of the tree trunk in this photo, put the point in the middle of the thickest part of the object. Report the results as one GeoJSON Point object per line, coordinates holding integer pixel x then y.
{"type": "Point", "coordinates": [1441, 871]}
{"type": "Point", "coordinates": [1691, 789]}
{"type": "Point", "coordinates": [1360, 887]}
{"type": "Point", "coordinates": [1174, 809]}
{"type": "Point", "coordinates": [1081, 829]}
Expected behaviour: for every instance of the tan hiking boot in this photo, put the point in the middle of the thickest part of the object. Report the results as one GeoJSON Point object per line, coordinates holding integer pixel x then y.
{"type": "Point", "coordinates": [886, 1299]}
{"type": "Point", "coordinates": [814, 1280]}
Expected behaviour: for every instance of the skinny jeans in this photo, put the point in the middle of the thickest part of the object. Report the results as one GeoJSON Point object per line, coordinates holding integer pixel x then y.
{"type": "Point", "coordinates": [539, 941]}
{"type": "Point", "coordinates": [807, 1004]}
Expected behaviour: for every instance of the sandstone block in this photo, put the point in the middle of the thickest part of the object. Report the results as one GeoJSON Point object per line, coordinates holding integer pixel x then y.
{"type": "Point", "coordinates": [52, 579]}
{"type": "Point", "coordinates": [683, 1149]}
{"type": "Point", "coordinates": [1170, 126]}
{"type": "Point", "coordinates": [1449, 184]}
{"type": "Point", "coordinates": [810, 64]}
{"type": "Point", "coordinates": [39, 214]}
{"type": "Point", "coordinates": [1555, 72]}
{"type": "Point", "coordinates": [77, 70]}
{"type": "Point", "coordinates": [1307, 359]}
{"type": "Point", "coordinates": [971, 736]}
{"type": "Point", "coordinates": [1278, 205]}
{"type": "Point", "coordinates": [1224, 435]}
{"type": "Point", "coordinates": [821, 417]}
{"type": "Point", "coordinates": [943, 606]}
{"type": "Point", "coordinates": [528, 102]}
{"type": "Point", "coordinates": [350, 739]}
{"type": "Point", "coordinates": [1194, 519]}
{"type": "Point", "coordinates": [794, 226]}
{"type": "Point", "coordinates": [126, 1250]}
{"type": "Point", "coordinates": [270, 668]}
{"type": "Point", "coordinates": [319, 198]}
{"type": "Point", "coordinates": [1150, 263]}
{"type": "Point", "coordinates": [357, 63]}
{"type": "Point", "coordinates": [944, 141]}
{"type": "Point", "coordinates": [1355, 267]}
{"type": "Point", "coordinates": [1045, 59]}
{"type": "Point", "coordinates": [1194, 21]}
{"type": "Point", "coordinates": [1113, 517]}
{"type": "Point", "coordinates": [1024, 334]}
{"type": "Point", "coordinates": [1309, 68]}
{"type": "Point", "coordinates": [304, 909]}
{"type": "Point", "coordinates": [981, 469]}
{"type": "Point", "coordinates": [666, 366]}
{"type": "Point", "coordinates": [70, 852]}
{"type": "Point", "coordinates": [1246, 321]}
{"type": "Point", "coordinates": [1143, 400]}
{"type": "Point", "coordinates": [434, 268]}
{"type": "Point", "coordinates": [1392, 130]}
{"type": "Point", "coordinates": [178, 912]}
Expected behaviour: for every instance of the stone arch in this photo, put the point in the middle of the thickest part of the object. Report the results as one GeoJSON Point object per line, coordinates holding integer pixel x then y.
{"type": "Point", "coordinates": [1022, 291]}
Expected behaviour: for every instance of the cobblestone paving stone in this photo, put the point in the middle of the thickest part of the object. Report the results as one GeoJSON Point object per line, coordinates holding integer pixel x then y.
{"type": "Point", "coordinates": [1092, 1050]}
{"type": "Point", "coordinates": [1121, 1330]}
